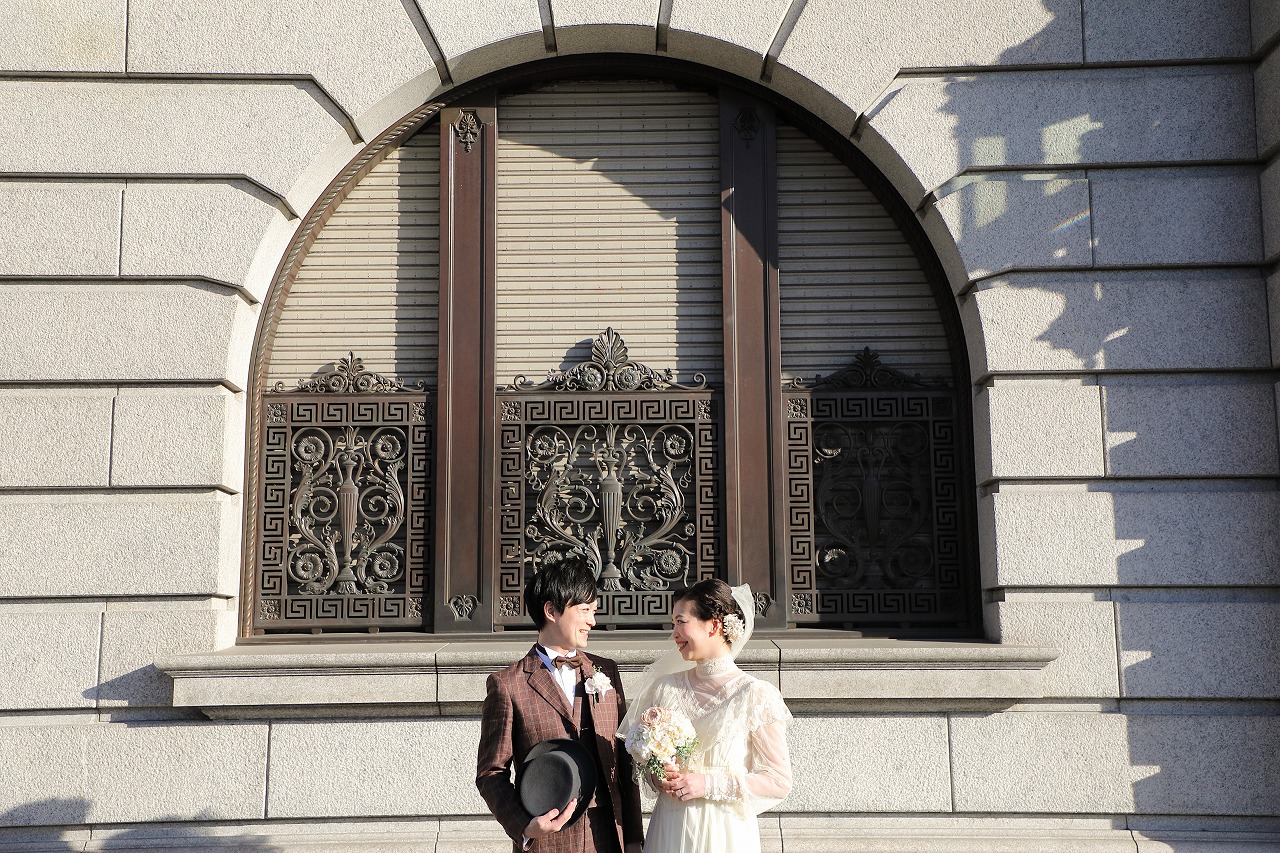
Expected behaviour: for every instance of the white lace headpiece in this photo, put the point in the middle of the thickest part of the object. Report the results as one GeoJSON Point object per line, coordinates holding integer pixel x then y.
{"type": "Point", "coordinates": [747, 604]}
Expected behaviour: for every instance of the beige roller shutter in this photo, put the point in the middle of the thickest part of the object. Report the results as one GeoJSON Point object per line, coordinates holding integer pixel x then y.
{"type": "Point", "coordinates": [608, 215]}
{"type": "Point", "coordinates": [370, 282]}
{"type": "Point", "coordinates": [847, 276]}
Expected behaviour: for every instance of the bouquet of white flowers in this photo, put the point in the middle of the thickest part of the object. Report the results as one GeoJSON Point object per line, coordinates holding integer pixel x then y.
{"type": "Point", "coordinates": [661, 736]}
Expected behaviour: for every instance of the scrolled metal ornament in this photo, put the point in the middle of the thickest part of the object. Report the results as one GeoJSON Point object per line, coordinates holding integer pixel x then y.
{"type": "Point", "coordinates": [612, 497]}
{"type": "Point", "coordinates": [867, 372]}
{"type": "Point", "coordinates": [349, 376]}
{"type": "Point", "coordinates": [747, 124]}
{"type": "Point", "coordinates": [872, 504]}
{"type": "Point", "coordinates": [610, 368]}
{"type": "Point", "coordinates": [463, 606]}
{"type": "Point", "coordinates": [346, 508]}
{"type": "Point", "coordinates": [873, 500]}
{"type": "Point", "coordinates": [467, 129]}
{"type": "Point", "coordinates": [611, 466]}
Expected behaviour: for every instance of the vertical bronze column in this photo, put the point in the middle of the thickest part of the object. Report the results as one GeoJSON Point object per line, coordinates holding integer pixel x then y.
{"type": "Point", "coordinates": [468, 202]}
{"type": "Point", "coordinates": [752, 361]}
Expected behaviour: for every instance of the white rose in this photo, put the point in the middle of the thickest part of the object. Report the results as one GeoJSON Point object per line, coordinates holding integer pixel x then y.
{"type": "Point", "coordinates": [664, 747]}
{"type": "Point", "coordinates": [637, 743]}
{"type": "Point", "coordinates": [598, 685]}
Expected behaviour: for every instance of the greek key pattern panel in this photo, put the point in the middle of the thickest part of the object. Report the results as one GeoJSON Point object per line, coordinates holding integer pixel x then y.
{"type": "Point", "coordinates": [627, 485]}
{"type": "Point", "coordinates": [345, 513]}
{"type": "Point", "coordinates": [874, 521]}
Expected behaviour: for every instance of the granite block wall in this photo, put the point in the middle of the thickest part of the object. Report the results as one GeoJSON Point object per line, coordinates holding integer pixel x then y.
{"type": "Point", "coordinates": [1100, 182]}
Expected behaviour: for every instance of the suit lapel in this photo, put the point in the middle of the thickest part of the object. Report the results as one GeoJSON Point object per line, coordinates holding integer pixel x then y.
{"type": "Point", "coordinates": [542, 683]}
{"type": "Point", "coordinates": [580, 694]}
{"type": "Point", "coordinates": [602, 711]}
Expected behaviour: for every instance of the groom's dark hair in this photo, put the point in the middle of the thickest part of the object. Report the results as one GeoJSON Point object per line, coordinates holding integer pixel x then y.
{"type": "Point", "coordinates": [562, 586]}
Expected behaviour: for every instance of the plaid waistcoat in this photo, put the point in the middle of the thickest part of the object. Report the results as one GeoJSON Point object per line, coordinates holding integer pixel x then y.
{"type": "Point", "coordinates": [524, 706]}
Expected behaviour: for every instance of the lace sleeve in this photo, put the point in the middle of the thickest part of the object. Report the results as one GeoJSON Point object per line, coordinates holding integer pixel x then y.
{"type": "Point", "coordinates": [724, 787]}
{"type": "Point", "coordinates": [767, 780]}
{"type": "Point", "coordinates": [767, 708]}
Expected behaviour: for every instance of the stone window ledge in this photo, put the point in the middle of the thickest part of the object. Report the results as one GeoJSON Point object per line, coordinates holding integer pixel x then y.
{"type": "Point", "coordinates": [435, 678]}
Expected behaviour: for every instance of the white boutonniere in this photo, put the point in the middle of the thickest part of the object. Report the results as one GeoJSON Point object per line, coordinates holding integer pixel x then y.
{"type": "Point", "coordinates": [597, 686]}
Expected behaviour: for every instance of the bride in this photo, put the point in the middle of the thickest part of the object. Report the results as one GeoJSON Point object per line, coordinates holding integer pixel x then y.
{"type": "Point", "coordinates": [740, 766]}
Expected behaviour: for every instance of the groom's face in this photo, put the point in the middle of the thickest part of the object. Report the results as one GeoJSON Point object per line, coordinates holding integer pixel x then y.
{"type": "Point", "coordinates": [570, 628]}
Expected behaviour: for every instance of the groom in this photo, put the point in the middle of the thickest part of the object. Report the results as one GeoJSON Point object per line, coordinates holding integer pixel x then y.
{"type": "Point", "coordinates": [559, 691]}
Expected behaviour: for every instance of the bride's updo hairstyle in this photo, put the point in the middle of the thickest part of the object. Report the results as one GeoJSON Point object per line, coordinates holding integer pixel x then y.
{"type": "Point", "coordinates": [710, 599]}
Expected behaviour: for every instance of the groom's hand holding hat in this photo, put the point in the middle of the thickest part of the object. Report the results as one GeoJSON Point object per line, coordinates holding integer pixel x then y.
{"type": "Point", "coordinates": [555, 783]}
{"type": "Point", "coordinates": [552, 821]}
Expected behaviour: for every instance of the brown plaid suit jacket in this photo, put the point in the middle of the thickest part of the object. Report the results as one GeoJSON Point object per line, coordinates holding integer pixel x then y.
{"type": "Point", "coordinates": [524, 706]}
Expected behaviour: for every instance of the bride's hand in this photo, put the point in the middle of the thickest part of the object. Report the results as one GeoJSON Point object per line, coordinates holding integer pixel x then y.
{"type": "Point", "coordinates": [667, 785]}
{"type": "Point", "coordinates": [686, 786]}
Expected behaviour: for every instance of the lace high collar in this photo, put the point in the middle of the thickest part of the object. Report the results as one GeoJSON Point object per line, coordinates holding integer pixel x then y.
{"type": "Point", "coordinates": [715, 666]}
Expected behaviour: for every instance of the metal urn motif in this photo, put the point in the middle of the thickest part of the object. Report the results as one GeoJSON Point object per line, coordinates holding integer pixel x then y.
{"type": "Point", "coordinates": [612, 464]}
{"type": "Point", "coordinates": [346, 509]}
{"type": "Point", "coordinates": [613, 496]}
{"type": "Point", "coordinates": [345, 499]}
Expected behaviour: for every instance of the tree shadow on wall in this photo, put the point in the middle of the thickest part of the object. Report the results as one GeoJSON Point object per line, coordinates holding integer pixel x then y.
{"type": "Point", "coordinates": [65, 824]}
{"type": "Point", "coordinates": [1183, 512]}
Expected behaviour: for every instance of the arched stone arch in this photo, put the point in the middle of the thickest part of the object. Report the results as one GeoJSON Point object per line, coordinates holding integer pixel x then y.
{"type": "Point", "coordinates": [389, 138]}
{"type": "Point", "coordinates": [760, 52]}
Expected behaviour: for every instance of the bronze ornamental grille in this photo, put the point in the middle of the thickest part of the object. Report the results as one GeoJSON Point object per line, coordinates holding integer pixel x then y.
{"type": "Point", "coordinates": [612, 465]}
{"type": "Point", "coordinates": [615, 466]}
{"type": "Point", "coordinates": [761, 459]}
{"type": "Point", "coordinates": [873, 500]}
{"type": "Point", "coordinates": [345, 505]}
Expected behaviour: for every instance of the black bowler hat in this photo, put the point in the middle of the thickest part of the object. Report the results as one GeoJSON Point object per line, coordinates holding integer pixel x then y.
{"type": "Point", "coordinates": [553, 773]}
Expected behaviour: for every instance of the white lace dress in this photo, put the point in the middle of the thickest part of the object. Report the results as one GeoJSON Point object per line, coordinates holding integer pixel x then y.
{"type": "Point", "coordinates": [742, 749]}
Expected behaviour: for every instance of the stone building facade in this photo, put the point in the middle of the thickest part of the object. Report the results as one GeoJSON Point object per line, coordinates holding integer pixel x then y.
{"type": "Point", "coordinates": [1090, 186]}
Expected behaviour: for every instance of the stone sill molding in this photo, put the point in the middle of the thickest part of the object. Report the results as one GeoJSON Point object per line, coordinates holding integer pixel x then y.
{"type": "Point", "coordinates": [778, 832]}
{"type": "Point", "coordinates": [434, 678]}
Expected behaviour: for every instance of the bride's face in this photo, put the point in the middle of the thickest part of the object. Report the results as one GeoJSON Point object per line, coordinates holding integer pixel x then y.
{"type": "Point", "coordinates": [696, 639]}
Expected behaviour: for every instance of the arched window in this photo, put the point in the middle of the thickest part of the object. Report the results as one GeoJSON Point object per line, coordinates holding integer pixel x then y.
{"type": "Point", "coordinates": [656, 323]}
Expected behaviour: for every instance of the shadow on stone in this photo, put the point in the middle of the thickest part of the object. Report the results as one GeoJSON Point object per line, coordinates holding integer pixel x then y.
{"type": "Point", "coordinates": [145, 687]}
{"type": "Point", "coordinates": [65, 824]}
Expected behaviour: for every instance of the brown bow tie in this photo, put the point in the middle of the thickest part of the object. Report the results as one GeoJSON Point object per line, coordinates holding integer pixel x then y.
{"type": "Point", "coordinates": [574, 662]}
